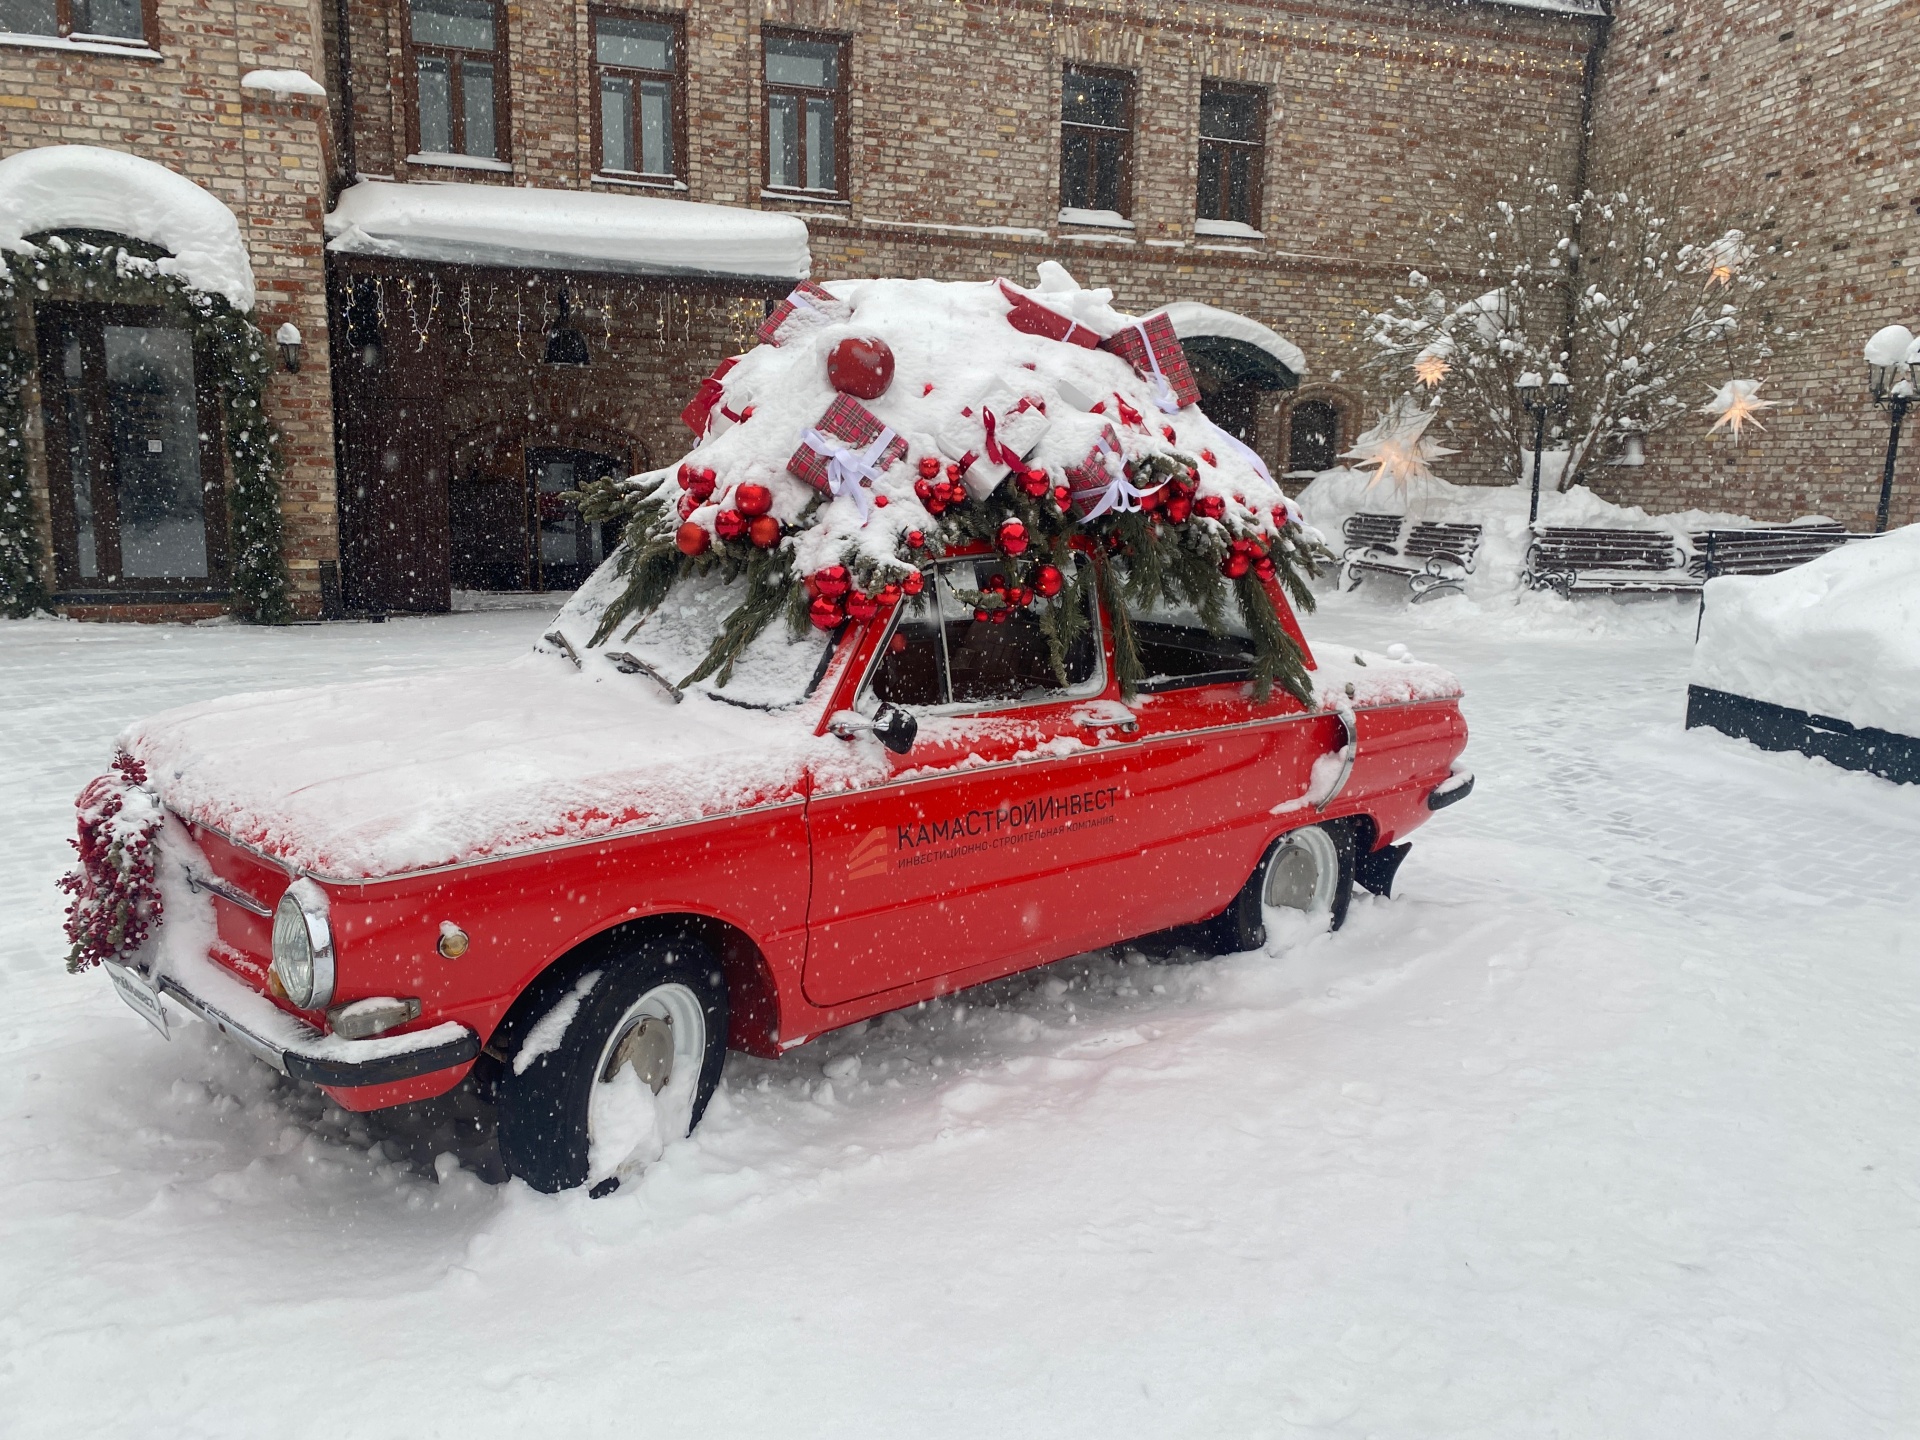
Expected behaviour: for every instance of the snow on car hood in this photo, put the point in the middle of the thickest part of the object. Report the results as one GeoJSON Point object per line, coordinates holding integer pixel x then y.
{"type": "Point", "coordinates": [1346, 676]}
{"type": "Point", "coordinates": [387, 776]}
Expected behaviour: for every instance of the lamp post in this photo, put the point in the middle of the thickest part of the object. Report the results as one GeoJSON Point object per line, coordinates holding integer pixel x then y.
{"type": "Point", "coordinates": [1528, 388]}
{"type": "Point", "coordinates": [1891, 355]}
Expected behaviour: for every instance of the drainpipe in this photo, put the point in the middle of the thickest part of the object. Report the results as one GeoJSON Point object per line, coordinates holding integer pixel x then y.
{"type": "Point", "coordinates": [343, 83]}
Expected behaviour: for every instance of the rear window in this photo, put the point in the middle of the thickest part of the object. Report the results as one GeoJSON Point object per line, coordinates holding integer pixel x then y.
{"type": "Point", "coordinates": [1178, 651]}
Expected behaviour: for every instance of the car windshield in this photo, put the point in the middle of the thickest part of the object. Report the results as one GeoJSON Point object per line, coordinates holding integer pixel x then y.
{"type": "Point", "coordinates": [775, 670]}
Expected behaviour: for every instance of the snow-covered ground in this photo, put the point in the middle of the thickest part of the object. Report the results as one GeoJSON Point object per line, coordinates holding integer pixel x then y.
{"type": "Point", "coordinates": [1604, 1127]}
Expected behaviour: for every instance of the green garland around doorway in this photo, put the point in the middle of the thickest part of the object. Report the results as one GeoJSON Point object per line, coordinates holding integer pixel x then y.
{"type": "Point", "coordinates": [242, 364]}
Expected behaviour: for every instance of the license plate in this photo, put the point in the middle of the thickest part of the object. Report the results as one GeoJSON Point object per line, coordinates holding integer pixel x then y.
{"type": "Point", "coordinates": [142, 997]}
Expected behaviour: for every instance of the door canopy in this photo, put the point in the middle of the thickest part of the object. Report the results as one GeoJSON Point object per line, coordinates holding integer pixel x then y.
{"type": "Point", "coordinates": [83, 187]}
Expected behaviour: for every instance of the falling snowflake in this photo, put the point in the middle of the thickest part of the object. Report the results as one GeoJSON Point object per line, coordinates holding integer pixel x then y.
{"type": "Point", "coordinates": [1735, 404]}
{"type": "Point", "coordinates": [1397, 447]}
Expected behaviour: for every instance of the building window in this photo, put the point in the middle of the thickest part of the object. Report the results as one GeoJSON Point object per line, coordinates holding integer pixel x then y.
{"type": "Point", "coordinates": [1096, 141]}
{"type": "Point", "coordinates": [132, 451]}
{"type": "Point", "coordinates": [638, 61]}
{"type": "Point", "coordinates": [121, 20]}
{"type": "Point", "coordinates": [1313, 440]}
{"type": "Point", "coordinates": [806, 113]}
{"type": "Point", "coordinates": [1233, 127]}
{"type": "Point", "coordinates": [458, 81]}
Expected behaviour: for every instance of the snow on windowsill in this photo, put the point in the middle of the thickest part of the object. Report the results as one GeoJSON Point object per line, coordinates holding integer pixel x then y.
{"type": "Point", "coordinates": [132, 49]}
{"type": "Point", "coordinates": [284, 83]}
{"type": "Point", "coordinates": [639, 182]}
{"type": "Point", "coordinates": [807, 197]}
{"type": "Point", "coordinates": [1102, 219]}
{"type": "Point", "coordinates": [1024, 232]}
{"type": "Point", "coordinates": [462, 162]}
{"type": "Point", "coordinates": [1232, 229]}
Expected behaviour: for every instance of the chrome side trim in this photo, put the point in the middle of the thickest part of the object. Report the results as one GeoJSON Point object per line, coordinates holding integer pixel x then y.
{"type": "Point", "coordinates": [229, 892]}
{"type": "Point", "coordinates": [1349, 751]}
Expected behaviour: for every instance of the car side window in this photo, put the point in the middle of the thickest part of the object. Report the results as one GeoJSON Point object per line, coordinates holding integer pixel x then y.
{"type": "Point", "coordinates": [942, 653]}
{"type": "Point", "coordinates": [1177, 650]}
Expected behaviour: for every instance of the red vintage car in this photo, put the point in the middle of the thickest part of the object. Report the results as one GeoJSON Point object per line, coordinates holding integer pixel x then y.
{"type": "Point", "coordinates": [581, 886]}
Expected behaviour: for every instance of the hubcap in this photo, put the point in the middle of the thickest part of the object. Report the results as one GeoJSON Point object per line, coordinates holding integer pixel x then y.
{"type": "Point", "coordinates": [647, 1045]}
{"type": "Point", "coordinates": [632, 1117]}
{"type": "Point", "coordinates": [1300, 881]}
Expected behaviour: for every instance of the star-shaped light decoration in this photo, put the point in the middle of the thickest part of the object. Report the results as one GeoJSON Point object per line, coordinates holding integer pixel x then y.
{"type": "Point", "coordinates": [1725, 256]}
{"type": "Point", "coordinates": [1735, 404]}
{"type": "Point", "coordinates": [1430, 368]}
{"type": "Point", "coordinates": [1397, 448]}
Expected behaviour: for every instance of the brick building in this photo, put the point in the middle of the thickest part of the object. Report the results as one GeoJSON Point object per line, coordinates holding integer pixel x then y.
{"type": "Point", "coordinates": [545, 219]}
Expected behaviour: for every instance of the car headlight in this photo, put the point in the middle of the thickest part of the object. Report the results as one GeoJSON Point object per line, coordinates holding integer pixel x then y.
{"type": "Point", "coordinates": [303, 946]}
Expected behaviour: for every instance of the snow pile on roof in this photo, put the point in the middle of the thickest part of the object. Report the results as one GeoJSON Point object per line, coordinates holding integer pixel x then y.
{"type": "Point", "coordinates": [1838, 636]}
{"type": "Point", "coordinates": [1191, 319]}
{"type": "Point", "coordinates": [82, 187]}
{"type": "Point", "coordinates": [282, 83]}
{"type": "Point", "coordinates": [565, 229]}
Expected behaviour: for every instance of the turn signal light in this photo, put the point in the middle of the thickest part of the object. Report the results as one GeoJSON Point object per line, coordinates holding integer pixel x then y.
{"type": "Point", "coordinates": [453, 941]}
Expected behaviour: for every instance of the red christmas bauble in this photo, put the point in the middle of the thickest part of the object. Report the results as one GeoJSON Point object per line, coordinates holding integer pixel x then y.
{"type": "Point", "coordinates": [832, 582]}
{"type": "Point", "coordinates": [1013, 538]}
{"type": "Point", "coordinates": [753, 500]}
{"type": "Point", "coordinates": [913, 582]}
{"type": "Point", "coordinates": [697, 483]}
{"type": "Point", "coordinates": [825, 613]}
{"type": "Point", "coordinates": [1235, 565]}
{"type": "Point", "coordinates": [692, 539]}
{"type": "Point", "coordinates": [687, 506]}
{"type": "Point", "coordinates": [954, 472]}
{"type": "Point", "coordinates": [982, 616]}
{"type": "Point", "coordinates": [1000, 616]}
{"type": "Point", "coordinates": [730, 525]}
{"type": "Point", "coordinates": [1153, 499]}
{"type": "Point", "coordinates": [1178, 509]}
{"type": "Point", "coordinates": [861, 366]}
{"type": "Point", "coordinates": [1020, 597]}
{"type": "Point", "coordinates": [1061, 495]}
{"type": "Point", "coordinates": [929, 467]}
{"type": "Point", "coordinates": [1167, 430]}
{"type": "Point", "coordinates": [1207, 455]}
{"type": "Point", "coordinates": [1048, 580]}
{"type": "Point", "coordinates": [881, 502]}
{"type": "Point", "coordinates": [764, 531]}
{"type": "Point", "coordinates": [1211, 507]}
{"type": "Point", "coordinates": [1263, 567]}
{"type": "Point", "coordinates": [861, 606]}
{"type": "Point", "coordinates": [889, 594]}
{"type": "Point", "coordinates": [915, 539]}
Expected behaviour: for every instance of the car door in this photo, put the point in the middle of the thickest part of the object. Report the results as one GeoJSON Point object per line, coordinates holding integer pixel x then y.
{"type": "Point", "coordinates": [988, 846]}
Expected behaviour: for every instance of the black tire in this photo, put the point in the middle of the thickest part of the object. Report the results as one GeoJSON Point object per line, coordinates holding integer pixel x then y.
{"type": "Point", "coordinates": [545, 1102]}
{"type": "Point", "coordinates": [1242, 925]}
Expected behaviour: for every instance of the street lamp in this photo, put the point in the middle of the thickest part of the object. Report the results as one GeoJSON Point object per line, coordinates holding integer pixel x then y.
{"type": "Point", "coordinates": [1528, 388]}
{"type": "Point", "coordinates": [1891, 355]}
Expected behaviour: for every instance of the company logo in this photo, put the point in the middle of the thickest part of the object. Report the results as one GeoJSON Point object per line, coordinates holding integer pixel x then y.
{"type": "Point", "coordinates": [869, 858]}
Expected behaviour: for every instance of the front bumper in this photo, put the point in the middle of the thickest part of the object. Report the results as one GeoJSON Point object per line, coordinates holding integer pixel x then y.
{"type": "Point", "coordinates": [299, 1051]}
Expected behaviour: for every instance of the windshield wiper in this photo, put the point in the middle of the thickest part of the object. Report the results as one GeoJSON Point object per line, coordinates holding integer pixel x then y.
{"type": "Point", "coordinates": [630, 664]}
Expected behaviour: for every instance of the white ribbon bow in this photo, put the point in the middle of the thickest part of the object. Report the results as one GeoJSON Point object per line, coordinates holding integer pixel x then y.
{"type": "Point", "coordinates": [1163, 395]}
{"type": "Point", "coordinates": [1120, 496]}
{"type": "Point", "coordinates": [847, 467]}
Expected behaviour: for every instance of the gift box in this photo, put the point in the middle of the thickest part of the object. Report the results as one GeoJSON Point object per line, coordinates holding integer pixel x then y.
{"type": "Point", "coordinates": [845, 453]}
{"type": "Point", "coordinates": [1151, 347]}
{"type": "Point", "coordinates": [1030, 317]}
{"type": "Point", "coordinates": [993, 435]}
{"type": "Point", "coordinates": [1099, 483]}
{"type": "Point", "coordinates": [806, 306]}
{"type": "Point", "coordinates": [699, 412]}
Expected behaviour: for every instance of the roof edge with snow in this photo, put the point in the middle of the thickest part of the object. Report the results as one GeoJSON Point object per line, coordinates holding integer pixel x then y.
{"type": "Point", "coordinates": [1192, 321]}
{"type": "Point", "coordinates": [549, 229]}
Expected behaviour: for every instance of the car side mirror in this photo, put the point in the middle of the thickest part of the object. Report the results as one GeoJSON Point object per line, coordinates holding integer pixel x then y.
{"type": "Point", "coordinates": [895, 728]}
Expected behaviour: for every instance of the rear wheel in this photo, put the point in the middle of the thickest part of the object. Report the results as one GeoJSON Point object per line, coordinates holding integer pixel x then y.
{"type": "Point", "coordinates": [619, 1063]}
{"type": "Point", "coordinates": [1301, 887]}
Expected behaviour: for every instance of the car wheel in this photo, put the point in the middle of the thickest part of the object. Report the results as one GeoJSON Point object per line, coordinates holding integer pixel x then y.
{"type": "Point", "coordinates": [1301, 887]}
{"type": "Point", "coordinates": [619, 1064]}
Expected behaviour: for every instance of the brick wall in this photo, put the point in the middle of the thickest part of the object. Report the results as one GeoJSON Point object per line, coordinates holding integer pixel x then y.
{"type": "Point", "coordinates": [264, 159]}
{"type": "Point", "coordinates": [1806, 108]}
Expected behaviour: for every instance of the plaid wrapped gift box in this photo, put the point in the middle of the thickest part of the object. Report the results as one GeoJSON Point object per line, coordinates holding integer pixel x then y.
{"type": "Point", "coordinates": [806, 306]}
{"type": "Point", "coordinates": [1151, 347]}
{"type": "Point", "coordinates": [852, 444]}
{"type": "Point", "coordinates": [1099, 483]}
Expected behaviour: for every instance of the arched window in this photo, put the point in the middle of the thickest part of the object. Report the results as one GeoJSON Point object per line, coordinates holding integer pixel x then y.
{"type": "Point", "coordinates": [1314, 441]}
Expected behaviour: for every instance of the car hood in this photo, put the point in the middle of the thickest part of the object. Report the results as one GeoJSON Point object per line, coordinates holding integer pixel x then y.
{"type": "Point", "coordinates": [388, 776]}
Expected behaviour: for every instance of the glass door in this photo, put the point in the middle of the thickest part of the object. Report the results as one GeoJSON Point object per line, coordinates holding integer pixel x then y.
{"type": "Point", "coordinates": [133, 476]}
{"type": "Point", "coordinates": [566, 549]}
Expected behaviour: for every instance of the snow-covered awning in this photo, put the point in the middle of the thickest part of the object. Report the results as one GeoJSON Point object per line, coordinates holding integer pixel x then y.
{"type": "Point", "coordinates": [1242, 348]}
{"type": "Point", "coordinates": [566, 230]}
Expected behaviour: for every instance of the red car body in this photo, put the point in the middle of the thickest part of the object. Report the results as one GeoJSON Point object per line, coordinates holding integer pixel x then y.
{"type": "Point", "coordinates": [997, 844]}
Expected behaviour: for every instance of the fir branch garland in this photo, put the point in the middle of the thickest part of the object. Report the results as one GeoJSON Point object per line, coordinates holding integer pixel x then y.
{"type": "Point", "coordinates": [242, 365]}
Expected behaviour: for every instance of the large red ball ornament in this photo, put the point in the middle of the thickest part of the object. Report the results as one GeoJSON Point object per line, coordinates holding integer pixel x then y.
{"type": "Point", "coordinates": [1211, 507]}
{"type": "Point", "coordinates": [764, 531]}
{"type": "Point", "coordinates": [861, 606]}
{"type": "Point", "coordinates": [1236, 565]}
{"type": "Point", "coordinates": [1013, 538]}
{"type": "Point", "coordinates": [1047, 581]}
{"type": "Point", "coordinates": [824, 613]}
{"type": "Point", "coordinates": [730, 525]}
{"type": "Point", "coordinates": [861, 366]}
{"type": "Point", "coordinates": [751, 500]}
{"type": "Point", "coordinates": [913, 582]}
{"type": "Point", "coordinates": [831, 582]}
{"type": "Point", "coordinates": [692, 539]}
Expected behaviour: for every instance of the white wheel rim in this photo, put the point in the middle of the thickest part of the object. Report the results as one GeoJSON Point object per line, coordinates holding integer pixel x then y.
{"type": "Point", "coordinates": [628, 1123]}
{"type": "Point", "coordinates": [1297, 891]}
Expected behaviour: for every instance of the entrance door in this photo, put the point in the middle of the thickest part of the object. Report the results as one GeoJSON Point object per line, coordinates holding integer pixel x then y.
{"type": "Point", "coordinates": [1315, 442]}
{"type": "Point", "coordinates": [132, 451]}
{"type": "Point", "coordinates": [564, 548]}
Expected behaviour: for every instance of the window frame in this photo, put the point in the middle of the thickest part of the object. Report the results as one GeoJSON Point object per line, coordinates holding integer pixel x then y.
{"type": "Point", "coordinates": [57, 399]}
{"type": "Point", "coordinates": [1129, 86]}
{"type": "Point", "coordinates": [1256, 198]}
{"type": "Point", "coordinates": [677, 89]}
{"type": "Point", "coordinates": [865, 702]}
{"type": "Point", "coordinates": [843, 70]}
{"type": "Point", "coordinates": [63, 28]}
{"type": "Point", "coordinates": [411, 51]}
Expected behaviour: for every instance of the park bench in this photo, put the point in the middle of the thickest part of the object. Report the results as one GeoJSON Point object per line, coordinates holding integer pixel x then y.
{"type": "Point", "coordinates": [1764, 550]}
{"type": "Point", "coordinates": [1434, 558]}
{"type": "Point", "coordinates": [1578, 561]}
